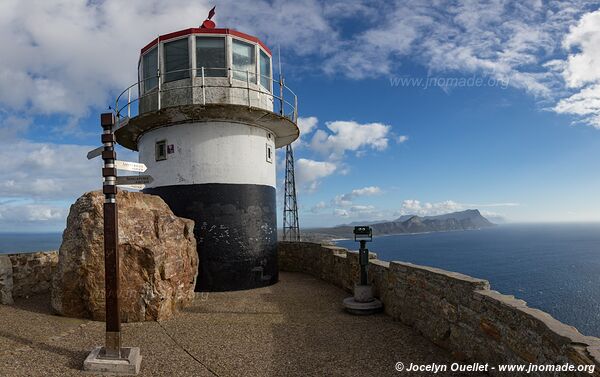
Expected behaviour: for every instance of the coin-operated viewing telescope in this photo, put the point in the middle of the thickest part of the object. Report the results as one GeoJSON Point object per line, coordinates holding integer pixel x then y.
{"type": "Point", "coordinates": [363, 302]}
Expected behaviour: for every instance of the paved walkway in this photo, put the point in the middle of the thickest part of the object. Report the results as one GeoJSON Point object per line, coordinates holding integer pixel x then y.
{"type": "Point", "coordinates": [294, 328]}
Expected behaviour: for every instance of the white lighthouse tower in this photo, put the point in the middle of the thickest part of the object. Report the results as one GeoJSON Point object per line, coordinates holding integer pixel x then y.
{"type": "Point", "coordinates": [209, 118]}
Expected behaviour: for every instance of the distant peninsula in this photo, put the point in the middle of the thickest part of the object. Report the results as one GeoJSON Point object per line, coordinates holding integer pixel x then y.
{"type": "Point", "coordinates": [464, 220]}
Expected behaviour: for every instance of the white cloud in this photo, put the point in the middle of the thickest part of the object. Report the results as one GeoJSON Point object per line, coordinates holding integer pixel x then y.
{"type": "Point", "coordinates": [366, 191]}
{"type": "Point", "coordinates": [583, 67]}
{"type": "Point", "coordinates": [318, 207]}
{"type": "Point", "coordinates": [307, 125]}
{"type": "Point", "coordinates": [350, 136]}
{"type": "Point", "coordinates": [309, 172]}
{"type": "Point", "coordinates": [581, 70]}
{"type": "Point", "coordinates": [359, 212]}
{"type": "Point", "coordinates": [415, 207]}
{"type": "Point", "coordinates": [40, 180]}
{"type": "Point", "coordinates": [521, 44]}
{"type": "Point", "coordinates": [585, 103]}
{"type": "Point", "coordinates": [31, 212]}
{"type": "Point", "coordinates": [341, 212]}
{"type": "Point", "coordinates": [402, 139]}
{"type": "Point", "coordinates": [22, 216]}
{"type": "Point", "coordinates": [347, 199]}
{"type": "Point", "coordinates": [342, 136]}
{"type": "Point", "coordinates": [47, 171]}
{"type": "Point", "coordinates": [496, 37]}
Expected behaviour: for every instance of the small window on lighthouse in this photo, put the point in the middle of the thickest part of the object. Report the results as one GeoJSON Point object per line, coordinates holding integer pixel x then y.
{"type": "Point", "coordinates": [269, 154]}
{"type": "Point", "coordinates": [243, 60]}
{"type": "Point", "coordinates": [177, 61]}
{"type": "Point", "coordinates": [161, 150]}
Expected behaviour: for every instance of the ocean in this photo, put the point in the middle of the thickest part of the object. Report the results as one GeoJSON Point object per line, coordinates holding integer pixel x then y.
{"type": "Point", "coordinates": [26, 242]}
{"type": "Point", "coordinates": [555, 268]}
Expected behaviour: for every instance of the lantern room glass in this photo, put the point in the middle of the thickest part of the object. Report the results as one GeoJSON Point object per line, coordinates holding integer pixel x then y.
{"type": "Point", "coordinates": [243, 60]}
{"type": "Point", "coordinates": [150, 70]}
{"type": "Point", "coordinates": [177, 61]}
{"type": "Point", "coordinates": [265, 71]}
{"type": "Point", "coordinates": [210, 54]}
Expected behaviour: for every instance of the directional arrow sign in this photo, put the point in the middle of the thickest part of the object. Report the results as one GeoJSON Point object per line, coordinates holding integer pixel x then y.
{"type": "Point", "coordinates": [135, 180]}
{"type": "Point", "coordinates": [130, 166]}
{"type": "Point", "coordinates": [95, 153]}
{"type": "Point", "coordinates": [134, 187]}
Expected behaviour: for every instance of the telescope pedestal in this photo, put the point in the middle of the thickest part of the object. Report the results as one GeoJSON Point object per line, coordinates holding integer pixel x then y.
{"type": "Point", "coordinates": [363, 302]}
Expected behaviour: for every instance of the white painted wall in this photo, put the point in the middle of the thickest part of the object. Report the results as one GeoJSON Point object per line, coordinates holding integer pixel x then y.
{"type": "Point", "coordinates": [210, 152]}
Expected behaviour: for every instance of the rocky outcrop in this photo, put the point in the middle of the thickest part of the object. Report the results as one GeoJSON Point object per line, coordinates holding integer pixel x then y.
{"type": "Point", "coordinates": [6, 280]}
{"type": "Point", "coordinates": [158, 259]}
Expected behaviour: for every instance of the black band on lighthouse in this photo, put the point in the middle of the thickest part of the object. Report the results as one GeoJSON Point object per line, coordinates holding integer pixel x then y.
{"type": "Point", "coordinates": [236, 232]}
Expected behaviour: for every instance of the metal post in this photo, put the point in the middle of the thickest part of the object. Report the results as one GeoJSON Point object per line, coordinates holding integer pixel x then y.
{"type": "Point", "coordinates": [295, 109]}
{"type": "Point", "coordinates": [248, 85]}
{"type": "Point", "coordinates": [363, 258]}
{"type": "Point", "coordinates": [203, 88]}
{"type": "Point", "coordinates": [111, 240]}
{"type": "Point", "coordinates": [129, 103]}
{"type": "Point", "coordinates": [158, 70]}
{"type": "Point", "coordinates": [280, 95]}
{"type": "Point", "coordinates": [280, 81]}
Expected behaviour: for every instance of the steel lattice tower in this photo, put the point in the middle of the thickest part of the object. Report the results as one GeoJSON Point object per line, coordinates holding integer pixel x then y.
{"type": "Point", "coordinates": [291, 229]}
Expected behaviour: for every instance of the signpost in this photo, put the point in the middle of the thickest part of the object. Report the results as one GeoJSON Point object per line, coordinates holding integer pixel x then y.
{"type": "Point", "coordinates": [133, 187]}
{"type": "Point", "coordinates": [95, 153]}
{"type": "Point", "coordinates": [130, 166]}
{"type": "Point", "coordinates": [112, 357]}
{"type": "Point", "coordinates": [111, 240]}
{"type": "Point", "coordinates": [134, 180]}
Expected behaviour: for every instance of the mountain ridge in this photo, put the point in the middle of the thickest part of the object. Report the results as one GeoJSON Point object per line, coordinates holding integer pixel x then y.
{"type": "Point", "coordinates": [463, 220]}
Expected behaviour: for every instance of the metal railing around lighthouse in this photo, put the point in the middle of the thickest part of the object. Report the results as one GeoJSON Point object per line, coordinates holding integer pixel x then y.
{"type": "Point", "coordinates": [284, 104]}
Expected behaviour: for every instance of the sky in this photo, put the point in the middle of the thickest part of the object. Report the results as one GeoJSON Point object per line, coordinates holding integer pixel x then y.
{"type": "Point", "coordinates": [406, 107]}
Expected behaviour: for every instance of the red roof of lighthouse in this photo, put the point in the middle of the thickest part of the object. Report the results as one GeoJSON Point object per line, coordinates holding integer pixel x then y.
{"type": "Point", "coordinates": [189, 31]}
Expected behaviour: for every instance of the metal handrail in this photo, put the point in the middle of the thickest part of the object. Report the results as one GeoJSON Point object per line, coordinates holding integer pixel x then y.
{"type": "Point", "coordinates": [159, 89]}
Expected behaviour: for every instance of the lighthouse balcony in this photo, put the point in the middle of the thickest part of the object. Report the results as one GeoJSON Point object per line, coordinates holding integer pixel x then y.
{"type": "Point", "coordinates": [200, 87]}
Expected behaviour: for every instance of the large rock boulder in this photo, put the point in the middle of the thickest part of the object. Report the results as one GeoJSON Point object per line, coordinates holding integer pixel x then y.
{"type": "Point", "coordinates": [158, 259]}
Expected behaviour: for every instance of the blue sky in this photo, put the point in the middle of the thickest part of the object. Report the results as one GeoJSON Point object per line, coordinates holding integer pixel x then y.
{"type": "Point", "coordinates": [523, 143]}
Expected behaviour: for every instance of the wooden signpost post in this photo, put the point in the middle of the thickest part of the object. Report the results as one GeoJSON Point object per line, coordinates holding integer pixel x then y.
{"type": "Point", "coordinates": [113, 358]}
{"type": "Point", "coordinates": [111, 240]}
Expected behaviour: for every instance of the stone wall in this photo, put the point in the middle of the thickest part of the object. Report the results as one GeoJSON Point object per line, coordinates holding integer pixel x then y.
{"type": "Point", "coordinates": [457, 312]}
{"type": "Point", "coordinates": [6, 280]}
{"type": "Point", "coordinates": [26, 274]}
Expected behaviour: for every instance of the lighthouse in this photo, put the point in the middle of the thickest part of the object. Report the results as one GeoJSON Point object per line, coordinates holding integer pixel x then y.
{"type": "Point", "coordinates": [206, 116]}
